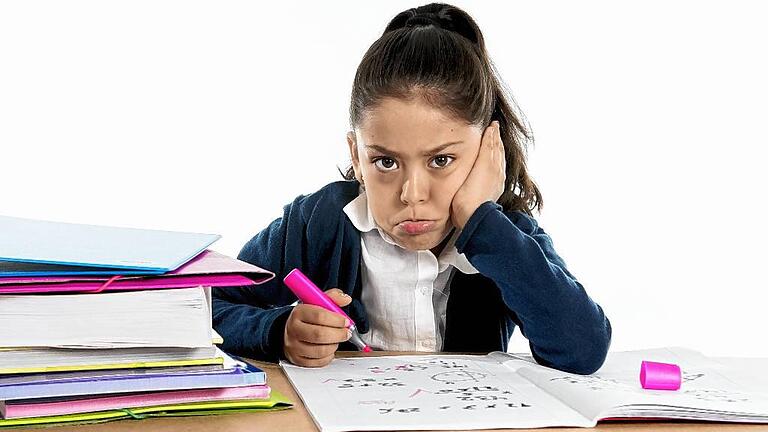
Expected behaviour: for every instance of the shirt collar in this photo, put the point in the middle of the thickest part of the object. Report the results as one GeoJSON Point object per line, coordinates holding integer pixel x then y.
{"type": "Point", "coordinates": [358, 213]}
{"type": "Point", "coordinates": [361, 217]}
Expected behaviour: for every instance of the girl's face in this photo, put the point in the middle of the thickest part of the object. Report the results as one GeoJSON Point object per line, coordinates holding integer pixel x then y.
{"type": "Point", "coordinates": [412, 158]}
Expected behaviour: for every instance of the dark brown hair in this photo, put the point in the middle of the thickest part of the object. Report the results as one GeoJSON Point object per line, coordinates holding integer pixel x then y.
{"type": "Point", "coordinates": [436, 52]}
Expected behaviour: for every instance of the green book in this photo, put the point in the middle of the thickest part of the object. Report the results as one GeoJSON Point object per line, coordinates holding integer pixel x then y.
{"type": "Point", "coordinates": [275, 402]}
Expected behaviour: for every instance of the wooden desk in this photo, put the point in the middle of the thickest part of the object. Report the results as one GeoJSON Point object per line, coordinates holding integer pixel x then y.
{"type": "Point", "coordinates": [298, 419]}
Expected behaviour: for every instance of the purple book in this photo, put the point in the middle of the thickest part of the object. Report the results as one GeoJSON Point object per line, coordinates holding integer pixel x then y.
{"type": "Point", "coordinates": [127, 381]}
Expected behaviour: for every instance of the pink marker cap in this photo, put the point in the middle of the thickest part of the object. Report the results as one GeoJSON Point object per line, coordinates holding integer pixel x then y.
{"type": "Point", "coordinates": [660, 376]}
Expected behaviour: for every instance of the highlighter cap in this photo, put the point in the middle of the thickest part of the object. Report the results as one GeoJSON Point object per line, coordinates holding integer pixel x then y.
{"type": "Point", "coordinates": [660, 376]}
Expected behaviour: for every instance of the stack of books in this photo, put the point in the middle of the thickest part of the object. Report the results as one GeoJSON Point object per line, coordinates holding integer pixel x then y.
{"type": "Point", "coordinates": [100, 323]}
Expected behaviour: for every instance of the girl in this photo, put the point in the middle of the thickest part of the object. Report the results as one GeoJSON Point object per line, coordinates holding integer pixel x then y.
{"type": "Point", "coordinates": [430, 240]}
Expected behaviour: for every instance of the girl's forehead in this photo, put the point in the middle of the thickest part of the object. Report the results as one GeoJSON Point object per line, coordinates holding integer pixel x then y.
{"type": "Point", "coordinates": [411, 111]}
{"type": "Point", "coordinates": [398, 124]}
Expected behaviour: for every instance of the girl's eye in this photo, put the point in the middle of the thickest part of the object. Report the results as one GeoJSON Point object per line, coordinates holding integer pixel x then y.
{"type": "Point", "coordinates": [441, 161]}
{"type": "Point", "coordinates": [385, 164]}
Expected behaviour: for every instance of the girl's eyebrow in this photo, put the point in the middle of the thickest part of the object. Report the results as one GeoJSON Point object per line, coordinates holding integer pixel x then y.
{"type": "Point", "coordinates": [441, 147]}
{"type": "Point", "coordinates": [429, 152]}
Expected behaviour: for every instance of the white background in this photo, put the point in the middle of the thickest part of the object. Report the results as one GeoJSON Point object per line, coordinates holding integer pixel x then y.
{"type": "Point", "coordinates": [649, 120]}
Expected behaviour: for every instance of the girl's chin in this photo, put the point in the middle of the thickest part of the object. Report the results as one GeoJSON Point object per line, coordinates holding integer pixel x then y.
{"type": "Point", "coordinates": [425, 241]}
{"type": "Point", "coordinates": [412, 246]}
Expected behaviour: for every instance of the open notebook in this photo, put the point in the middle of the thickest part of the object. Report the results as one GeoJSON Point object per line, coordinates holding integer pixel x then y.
{"type": "Point", "coordinates": [499, 390]}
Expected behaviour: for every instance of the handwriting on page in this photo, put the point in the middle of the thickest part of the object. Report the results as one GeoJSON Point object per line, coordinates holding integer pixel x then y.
{"type": "Point", "coordinates": [593, 382]}
{"type": "Point", "coordinates": [390, 387]}
{"type": "Point", "coordinates": [695, 385]}
{"type": "Point", "coordinates": [715, 395]}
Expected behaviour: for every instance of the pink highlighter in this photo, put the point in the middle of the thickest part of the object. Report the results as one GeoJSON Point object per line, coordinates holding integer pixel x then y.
{"type": "Point", "coordinates": [309, 293]}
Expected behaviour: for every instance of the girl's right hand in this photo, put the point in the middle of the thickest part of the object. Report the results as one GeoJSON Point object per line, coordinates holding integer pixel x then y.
{"type": "Point", "coordinates": [313, 334]}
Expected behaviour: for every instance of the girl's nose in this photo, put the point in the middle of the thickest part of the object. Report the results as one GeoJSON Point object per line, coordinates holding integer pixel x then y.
{"type": "Point", "coordinates": [415, 189]}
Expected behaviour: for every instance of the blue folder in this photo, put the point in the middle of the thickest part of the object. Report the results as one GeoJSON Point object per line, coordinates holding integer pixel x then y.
{"type": "Point", "coordinates": [42, 248]}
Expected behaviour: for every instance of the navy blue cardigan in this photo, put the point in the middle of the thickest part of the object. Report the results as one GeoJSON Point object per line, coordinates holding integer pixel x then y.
{"type": "Point", "coordinates": [522, 282]}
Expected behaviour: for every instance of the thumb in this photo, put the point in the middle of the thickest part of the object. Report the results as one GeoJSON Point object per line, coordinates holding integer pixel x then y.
{"type": "Point", "coordinates": [339, 297]}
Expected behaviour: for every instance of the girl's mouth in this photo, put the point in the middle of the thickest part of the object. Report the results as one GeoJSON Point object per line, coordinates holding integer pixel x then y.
{"type": "Point", "coordinates": [416, 227]}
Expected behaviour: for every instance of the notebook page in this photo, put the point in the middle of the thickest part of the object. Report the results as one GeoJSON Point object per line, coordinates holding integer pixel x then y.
{"type": "Point", "coordinates": [615, 391]}
{"type": "Point", "coordinates": [423, 393]}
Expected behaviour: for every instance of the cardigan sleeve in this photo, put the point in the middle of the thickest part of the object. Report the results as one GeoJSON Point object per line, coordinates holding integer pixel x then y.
{"type": "Point", "coordinates": [251, 319]}
{"type": "Point", "coordinates": [565, 328]}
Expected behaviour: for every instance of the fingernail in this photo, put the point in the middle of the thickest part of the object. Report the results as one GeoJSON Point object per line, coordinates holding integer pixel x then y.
{"type": "Point", "coordinates": [349, 334]}
{"type": "Point", "coordinates": [346, 322]}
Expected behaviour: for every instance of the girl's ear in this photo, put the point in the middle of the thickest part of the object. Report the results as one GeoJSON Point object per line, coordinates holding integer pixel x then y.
{"type": "Point", "coordinates": [352, 143]}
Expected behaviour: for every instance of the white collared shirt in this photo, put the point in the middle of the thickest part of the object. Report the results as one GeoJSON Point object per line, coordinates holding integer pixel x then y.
{"type": "Point", "coordinates": [405, 293]}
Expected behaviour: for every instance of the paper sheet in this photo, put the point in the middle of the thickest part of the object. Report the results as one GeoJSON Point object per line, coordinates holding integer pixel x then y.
{"type": "Point", "coordinates": [424, 392]}
{"type": "Point", "coordinates": [614, 390]}
{"type": "Point", "coordinates": [501, 391]}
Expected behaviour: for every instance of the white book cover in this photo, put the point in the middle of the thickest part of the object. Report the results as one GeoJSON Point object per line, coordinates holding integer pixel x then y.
{"type": "Point", "coordinates": [151, 318]}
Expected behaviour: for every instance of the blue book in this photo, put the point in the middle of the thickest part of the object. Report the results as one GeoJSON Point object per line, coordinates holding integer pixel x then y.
{"type": "Point", "coordinates": [15, 387]}
{"type": "Point", "coordinates": [42, 248]}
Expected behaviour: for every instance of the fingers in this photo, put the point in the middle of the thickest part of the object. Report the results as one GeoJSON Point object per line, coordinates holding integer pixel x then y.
{"type": "Point", "coordinates": [312, 335]}
{"type": "Point", "coordinates": [309, 362]}
{"type": "Point", "coordinates": [339, 297]}
{"type": "Point", "coordinates": [305, 354]}
{"type": "Point", "coordinates": [318, 334]}
{"type": "Point", "coordinates": [489, 134]}
{"type": "Point", "coordinates": [301, 351]}
{"type": "Point", "coordinates": [320, 316]}
{"type": "Point", "coordinates": [308, 354]}
{"type": "Point", "coordinates": [492, 136]}
{"type": "Point", "coordinates": [315, 325]}
{"type": "Point", "coordinates": [499, 145]}
{"type": "Point", "coordinates": [493, 147]}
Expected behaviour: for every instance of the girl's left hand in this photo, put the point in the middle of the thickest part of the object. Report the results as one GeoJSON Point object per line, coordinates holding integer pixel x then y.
{"type": "Point", "coordinates": [485, 181]}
